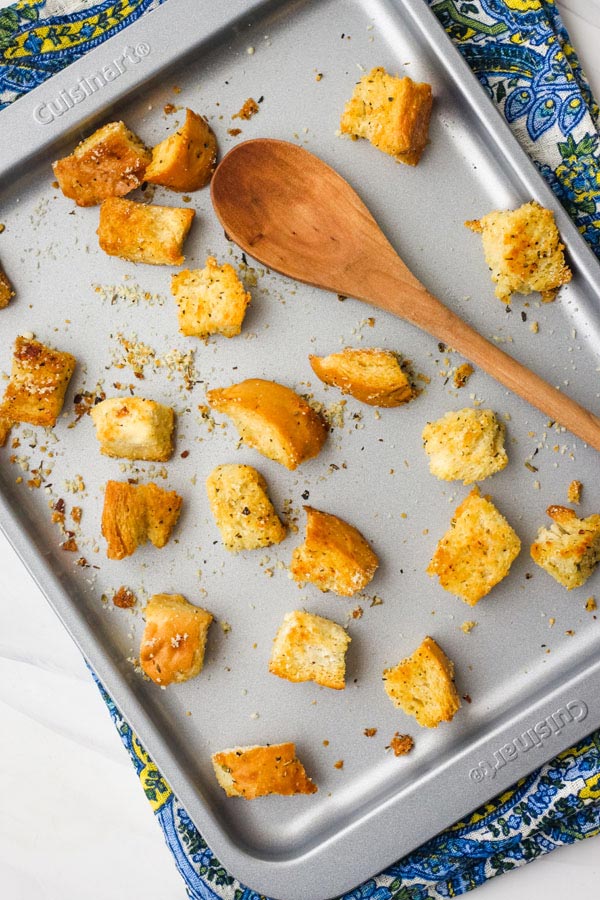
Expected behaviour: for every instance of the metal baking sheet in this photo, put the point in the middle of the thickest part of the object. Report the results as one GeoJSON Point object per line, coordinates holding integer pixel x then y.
{"type": "Point", "coordinates": [531, 666]}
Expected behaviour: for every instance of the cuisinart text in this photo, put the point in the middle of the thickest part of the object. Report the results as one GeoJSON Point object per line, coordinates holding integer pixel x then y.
{"type": "Point", "coordinates": [47, 112]}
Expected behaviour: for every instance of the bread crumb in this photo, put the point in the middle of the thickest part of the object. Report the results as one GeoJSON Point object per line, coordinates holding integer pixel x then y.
{"type": "Point", "coordinates": [249, 109]}
{"type": "Point", "coordinates": [339, 764]}
{"type": "Point", "coordinates": [590, 604]}
{"type": "Point", "coordinates": [124, 598]}
{"type": "Point", "coordinates": [574, 492]}
{"type": "Point", "coordinates": [468, 626]}
{"type": "Point", "coordinates": [370, 732]}
{"type": "Point", "coordinates": [401, 744]}
{"type": "Point", "coordinates": [462, 374]}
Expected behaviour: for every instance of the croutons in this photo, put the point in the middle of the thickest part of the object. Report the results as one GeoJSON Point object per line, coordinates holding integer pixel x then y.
{"type": "Point", "coordinates": [257, 771]}
{"type": "Point", "coordinates": [210, 300]}
{"type": "Point", "coordinates": [6, 289]}
{"type": "Point", "coordinates": [310, 648]}
{"type": "Point", "coordinates": [134, 428]}
{"type": "Point", "coordinates": [185, 160]}
{"type": "Point", "coordinates": [109, 163]}
{"type": "Point", "coordinates": [522, 247]}
{"type": "Point", "coordinates": [174, 640]}
{"type": "Point", "coordinates": [370, 375]}
{"type": "Point", "coordinates": [466, 445]}
{"type": "Point", "coordinates": [272, 419]}
{"type": "Point", "coordinates": [334, 556]}
{"type": "Point", "coordinates": [476, 552]}
{"type": "Point", "coordinates": [134, 514]}
{"type": "Point", "coordinates": [392, 113]}
{"type": "Point", "coordinates": [423, 685]}
{"type": "Point", "coordinates": [142, 233]}
{"type": "Point", "coordinates": [243, 512]}
{"type": "Point", "coordinates": [570, 549]}
{"type": "Point", "coordinates": [38, 383]}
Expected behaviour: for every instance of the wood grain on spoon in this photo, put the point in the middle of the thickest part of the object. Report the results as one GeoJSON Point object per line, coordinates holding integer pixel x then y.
{"type": "Point", "coordinates": [292, 212]}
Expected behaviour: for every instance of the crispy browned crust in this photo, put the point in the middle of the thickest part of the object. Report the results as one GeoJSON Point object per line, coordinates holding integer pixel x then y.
{"type": "Point", "coordinates": [334, 556]}
{"type": "Point", "coordinates": [110, 163]}
{"type": "Point", "coordinates": [570, 549]}
{"type": "Point", "coordinates": [38, 382]}
{"type": "Point", "coordinates": [134, 514]}
{"type": "Point", "coordinates": [423, 685]}
{"type": "Point", "coordinates": [143, 233]}
{"type": "Point", "coordinates": [370, 375]}
{"type": "Point", "coordinates": [252, 772]}
{"type": "Point", "coordinates": [185, 160]}
{"type": "Point", "coordinates": [6, 289]}
{"type": "Point", "coordinates": [174, 640]}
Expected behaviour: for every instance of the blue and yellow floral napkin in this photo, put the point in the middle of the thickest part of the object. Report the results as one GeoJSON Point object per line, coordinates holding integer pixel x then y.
{"type": "Point", "coordinates": [521, 53]}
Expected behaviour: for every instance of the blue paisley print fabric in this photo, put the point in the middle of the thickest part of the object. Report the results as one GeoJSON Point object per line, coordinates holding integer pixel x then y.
{"type": "Point", "coordinates": [521, 53]}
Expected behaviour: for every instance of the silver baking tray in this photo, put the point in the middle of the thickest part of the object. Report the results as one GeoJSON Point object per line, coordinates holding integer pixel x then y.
{"type": "Point", "coordinates": [531, 666]}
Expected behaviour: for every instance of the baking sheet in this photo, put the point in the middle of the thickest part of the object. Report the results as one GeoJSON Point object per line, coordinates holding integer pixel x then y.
{"type": "Point", "coordinates": [517, 668]}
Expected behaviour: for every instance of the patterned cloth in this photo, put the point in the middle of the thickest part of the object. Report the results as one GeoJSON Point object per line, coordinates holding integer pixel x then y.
{"type": "Point", "coordinates": [522, 55]}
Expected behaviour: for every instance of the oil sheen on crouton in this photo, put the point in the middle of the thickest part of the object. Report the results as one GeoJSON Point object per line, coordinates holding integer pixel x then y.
{"type": "Point", "coordinates": [334, 556]}
{"type": "Point", "coordinates": [272, 419]}
{"type": "Point", "coordinates": [38, 382]}
{"type": "Point", "coordinates": [392, 113]}
{"type": "Point", "coordinates": [239, 501]}
{"type": "Point", "coordinates": [185, 160]}
{"type": "Point", "coordinates": [310, 648]}
{"type": "Point", "coordinates": [257, 771]}
{"type": "Point", "coordinates": [570, 549]}
{"type": "Point", "coordinates": [134, 428]}
{"type": "Point", "coordinates": [210, 300]}
{"type": "Point", "coordinates": [523, 250]}
{"type": "Point", "coordinates": [465, 445]}
{"type": "Point", "coordinates": [142, 233]}
{"type": "Point", "coordinates": [174, 640]}
{"type": "Point", "coordinates": [476, 552]}
{"type": "Point", "coordinates": [6, 289]}
{"type": "Point", "coordinates": [423, 685]}
{"type": "Point", "coordinates": [369, 375]}
{"type": "Point", "coordinates": [134, 514]}
{"type": "Point", "coordinates": [109, 163]}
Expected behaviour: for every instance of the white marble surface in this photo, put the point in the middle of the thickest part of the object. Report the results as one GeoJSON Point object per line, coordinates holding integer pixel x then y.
{"type": "Point", "coordinates": [74, 823]}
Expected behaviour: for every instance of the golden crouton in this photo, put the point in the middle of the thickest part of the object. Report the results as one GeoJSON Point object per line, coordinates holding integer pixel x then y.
{"type": "Point", "coordinates": [574, 492]}
{"type": "Point", "coordinates": [334, 556]}
{"type": "Point", "coordinates": [272, 419]}
{"type": "Point", "coordinates": [174, 639]}
{"type": "Point", "coordinates": [570, 549]}
{"type": "Point", "coordinates": [38, 382]}
{"type": "Point", "coordinates": [210, 300]}
{"type": "Point", "coordinates": [185, 160]}
{"type": "Point", "coordinates": [392, 113]}
{"type": "Point", "coordinates": [109, 163]}
{"type": "Point", "coordinates": [134, 514]}
{"type": "Point", "coordinates": [466, 445]}
{"type": "Point", "coordinates": [422, 685]}
{"type": "Point", "coordinates": [371, 376]}
{"type": "Point", "coordinates": [141, 233]}
{"type": "Point", "coordinates": [257, 771]}
{"type": "Point", "coordinates": [243, 512]}
{"type": "Point", "coordinates": [476, 552]}
{"type": "Point", "coordinates": [134, 428]}
{"type": "Point", "coordinates": [310, 648]}
{"type": "Point", "coordinates": [522, 247]}
{"type": "Point", "coordinates": [6, 289]}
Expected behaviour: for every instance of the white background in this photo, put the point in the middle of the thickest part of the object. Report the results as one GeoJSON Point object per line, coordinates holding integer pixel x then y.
{"type": "Point", "coordinates": [74, 823]}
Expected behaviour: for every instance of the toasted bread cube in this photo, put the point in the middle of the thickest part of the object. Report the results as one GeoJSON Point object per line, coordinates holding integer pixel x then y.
{"type": "Point", "coordinates": [570, 549]}
{"type": "Point", "coordinates": [423, 685]}
{"type": "Point", "coordinates": [141, 233]}
{"type": "Point", "coordinates": [476, 552]}
{"type": "Point", "coordinates": [239, 501]}
{"type": "Point", "coordinates": [38, 383]}
{"type": "Point", "coordinates": [210, 300]}
{"type": "Point", "coordinates": [109, 163]}
{"type": "Point", "coordinates": [334, 556]}
{"type": "Point", "coordinates": [257, 771]}
{"type": "Point", "coordinates": [466, 445]}
{"type": "Point", "coordinates": [134, 428]}
{"type": "Point", "coordinates": [310, 648]}
{"type": "Point", "coordinates": [272, 419]}
{"type": "Point", "coordinates": [174, 639]}
{"type": "Point", "coordinates": [136, 513]}
{"type": "Point", "coordinates": [370, 375]}
{"type": "Point", "coordinates": [523, 250]}
{"type": "Point", "coordinates": [6, 289]}
{"type": "Point", "coordinates": [185, 160]}
{"type": "Point", "coordinates": [393, 113]}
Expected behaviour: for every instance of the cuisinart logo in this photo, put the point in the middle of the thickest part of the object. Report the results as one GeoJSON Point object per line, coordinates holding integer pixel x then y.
{"type": "Point", "coordinates": [50, 110]}
{"type": "Point", "coordinates": [573, 711]}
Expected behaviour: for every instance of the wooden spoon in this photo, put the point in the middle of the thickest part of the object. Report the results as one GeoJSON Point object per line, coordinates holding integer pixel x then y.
{"type": "Point", "coordinates": [292, 212]}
